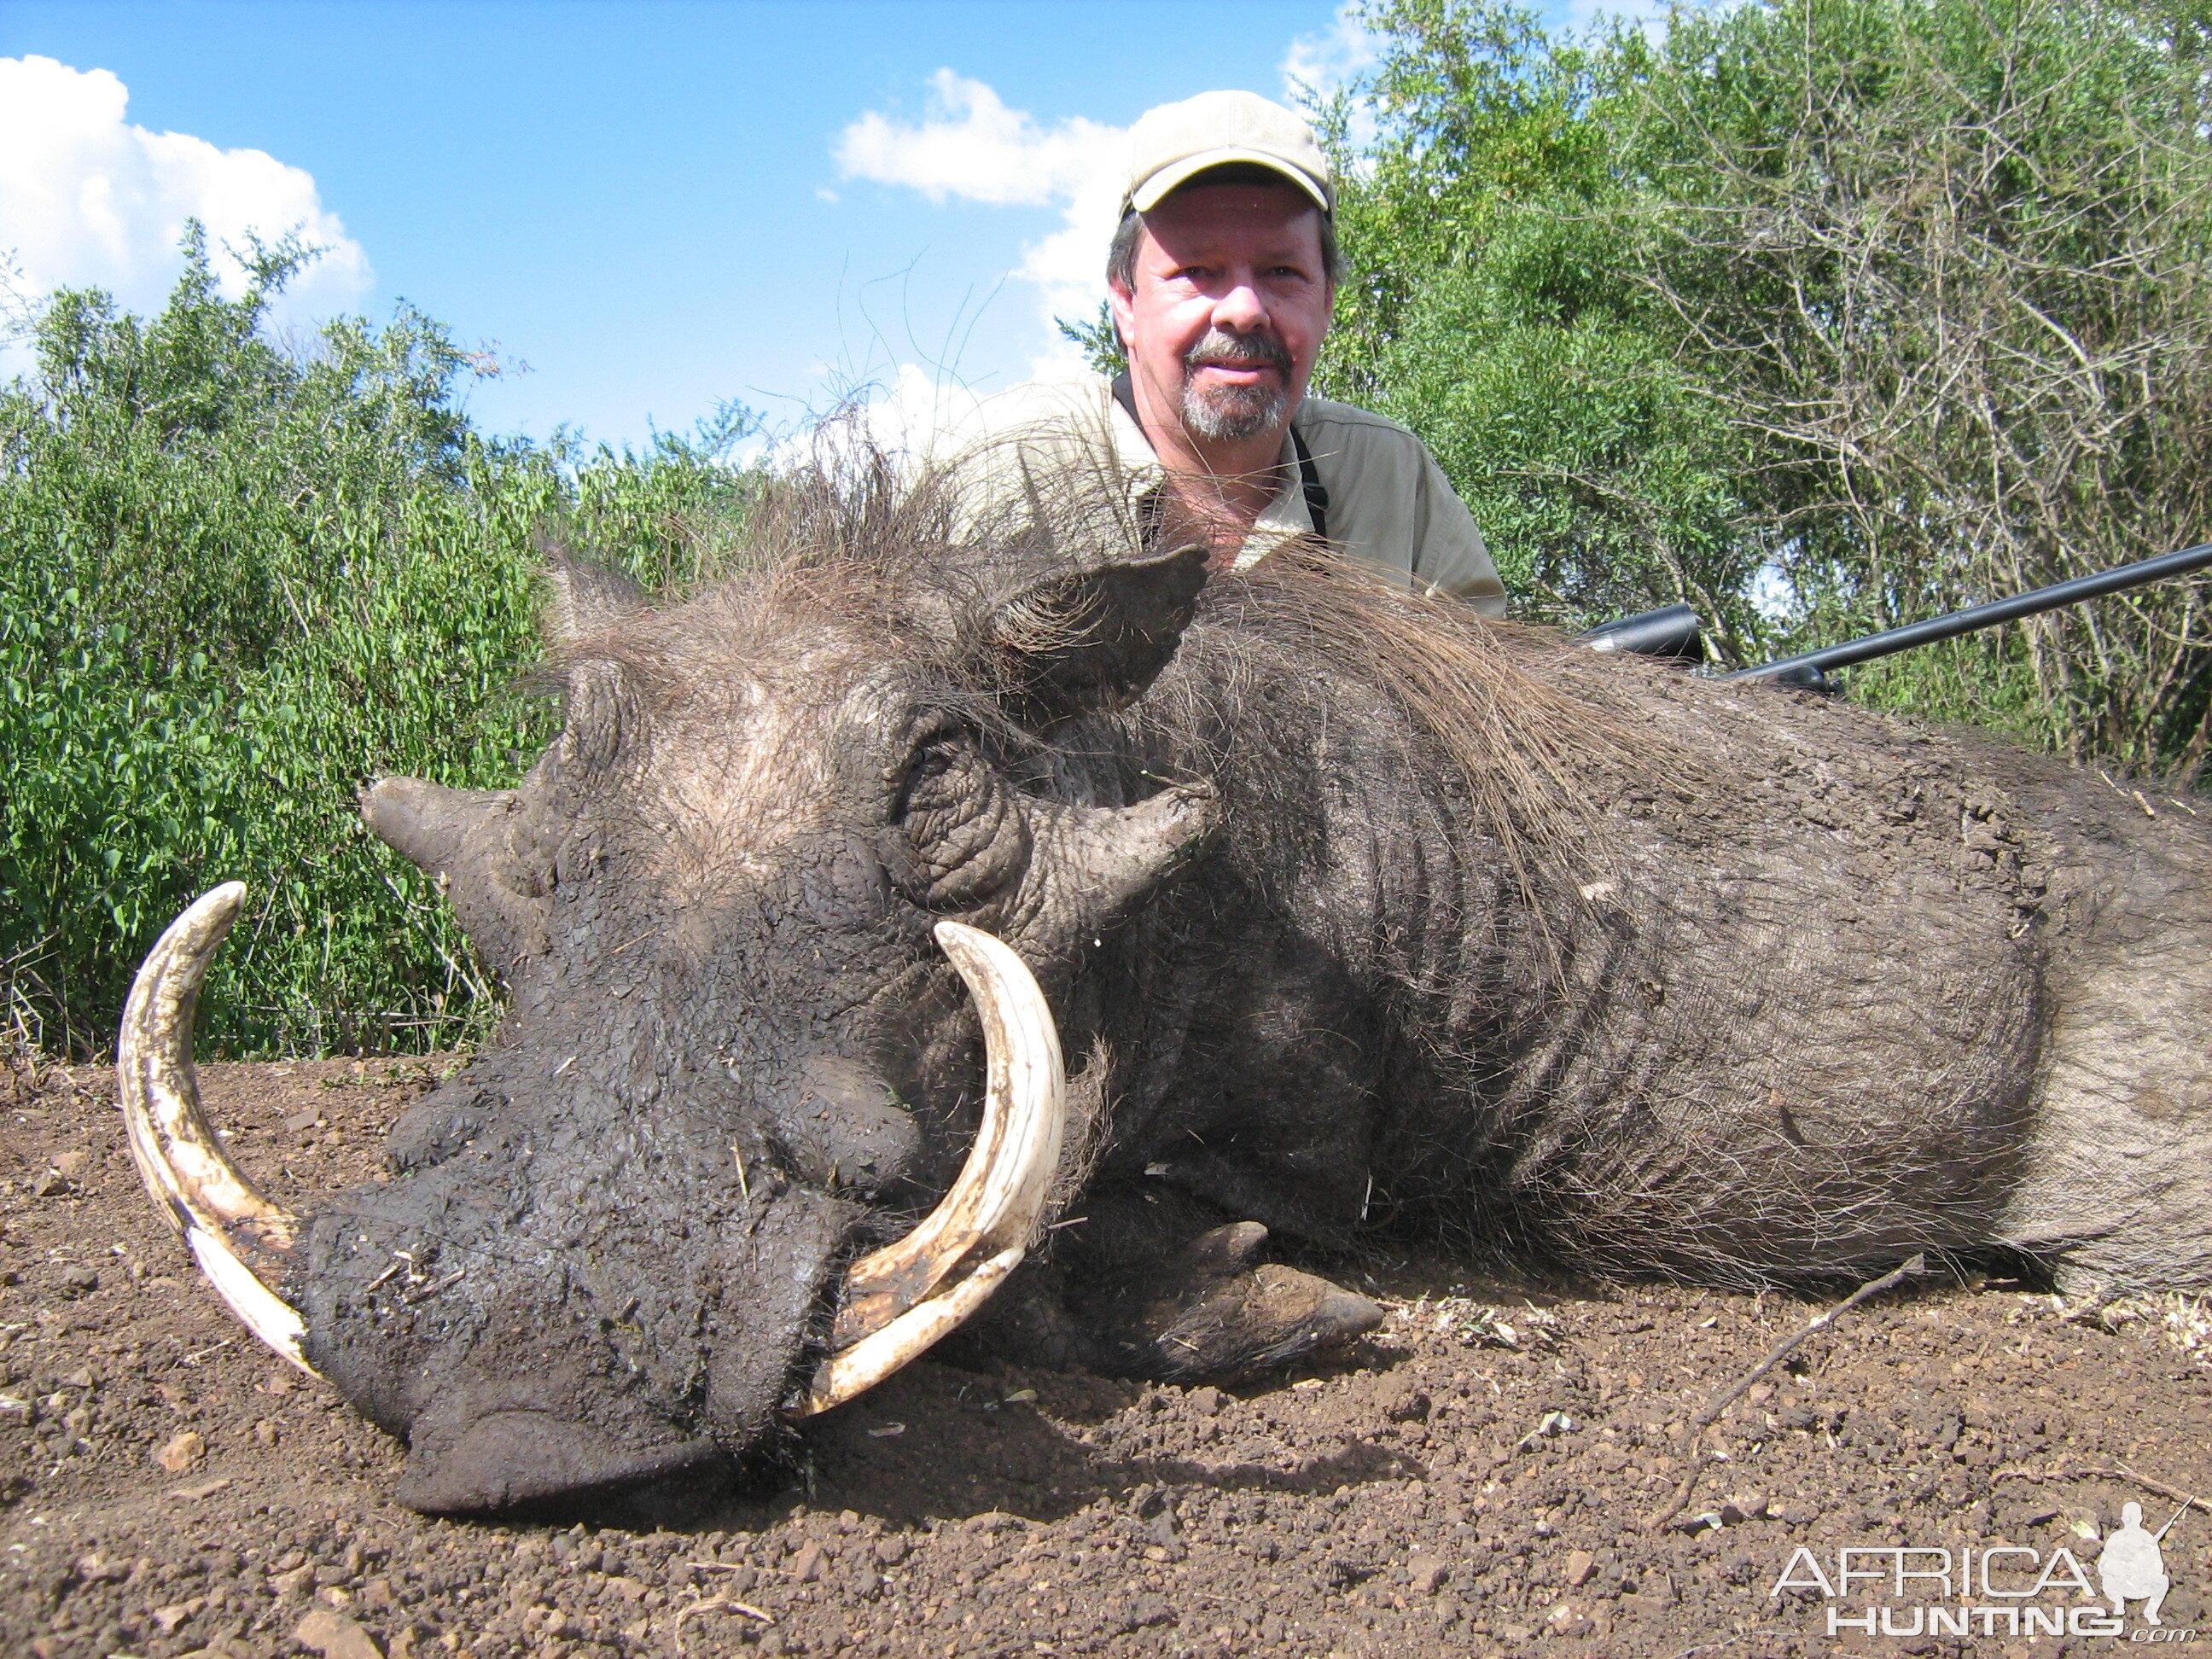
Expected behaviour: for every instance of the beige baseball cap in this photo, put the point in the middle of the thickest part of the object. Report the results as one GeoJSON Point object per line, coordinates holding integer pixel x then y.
{"type": "Point", "coordinates": [1175, 142]}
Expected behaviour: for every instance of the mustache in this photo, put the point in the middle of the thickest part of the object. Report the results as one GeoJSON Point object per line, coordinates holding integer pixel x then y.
{"type": "Point", "coordinates": [1220, 346]}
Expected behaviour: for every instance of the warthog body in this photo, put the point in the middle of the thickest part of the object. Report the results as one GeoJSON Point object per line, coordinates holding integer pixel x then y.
{"type": "Point", "coordinates": [1352, 909]}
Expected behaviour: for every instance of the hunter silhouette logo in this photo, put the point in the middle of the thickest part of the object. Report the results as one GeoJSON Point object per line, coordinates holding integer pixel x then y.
{"type": "Point", "coordinates": [2003, 1590]}
{"type": "Point", "coordinates": [2132, 1567]}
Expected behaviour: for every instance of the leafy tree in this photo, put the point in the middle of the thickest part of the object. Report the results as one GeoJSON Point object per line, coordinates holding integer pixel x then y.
{"type": "Point", "coordinates": [1489, 304]}
{"type": "Point", "coordinates": [1826, 314]}
{"type": "Point", "coordinates": [1944, 264]}
{"type": "Point", "coordinates": [235, 582]}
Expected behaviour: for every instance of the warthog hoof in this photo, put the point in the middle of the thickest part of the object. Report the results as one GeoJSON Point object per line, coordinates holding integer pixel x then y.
{"type": "Point", "coordinates": [1213, 1314]}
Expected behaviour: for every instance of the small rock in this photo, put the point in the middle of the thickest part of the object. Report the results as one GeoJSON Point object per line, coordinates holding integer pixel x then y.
{"type": "Point", "coordinates": [1426, 1574]}
{"type": "Point", "coordinates": [892, 1549]}
{"type": "Point", "coordinates": [1747, 1506]}
{"type": "Point", "coordinates": [80, 1380]}
{"type": "Point", "coordinates": [181, 1452]}
{"type": "Point", "coordinates": [1580, 1563]}
{"type": "Point", "coordinates": [99, 1570]}
{"type": "Point", "coordinates": [52, 1184]}
{"type": "Point", "coordinates": [71, 1164]}
{"type": "Point", "coordinates": [1407, 1405]}
{"type": "Point", "coordinates": [1550, 1426]}
{"type": "Point", "coordinates": [1343, 1575]}
{"type": "Point", "coordinates": [1208, 1400]}
{"type": "Point", "coordinates": [1569, 1618]}
{"type": "Point", "coordinates": [298, 1582]}
{"type": "Point", "coordinates": [167, 1618]}
{"type": "Point", "coordinates": [331, 1634]}
{"type": "Point", "coordinates": [265, 1433]}
{"type": "Point", "coordinates": [806, 1566]}
{"type": "Point", "coordinates": [1145, 1611]}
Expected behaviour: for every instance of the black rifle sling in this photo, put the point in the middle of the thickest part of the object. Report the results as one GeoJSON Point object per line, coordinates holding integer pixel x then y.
{"type": "Point", "coordinates": [1316, 492]}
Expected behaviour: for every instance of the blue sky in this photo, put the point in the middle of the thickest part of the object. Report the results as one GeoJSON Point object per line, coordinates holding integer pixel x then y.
{"type": "Point", "coordinates": [657, 207]}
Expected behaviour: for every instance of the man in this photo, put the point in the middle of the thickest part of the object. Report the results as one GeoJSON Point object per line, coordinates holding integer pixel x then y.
{"type": "Point", "coordinates": [1222, 277]}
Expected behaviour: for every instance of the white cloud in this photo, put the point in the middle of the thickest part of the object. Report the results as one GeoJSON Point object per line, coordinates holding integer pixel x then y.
{"type": "Point", "coordinates": [972, 146]}
{"type": "Point", "coordinates": [907, 414]}
{"type": "Point", "coordinates": [85, 198]}
{"type": "Point", "coordinates": [1649, 15]}
{"type": "Point", "coordinates": [1326, 61]}
{"type": "Point", "coordinates": [969, 146]}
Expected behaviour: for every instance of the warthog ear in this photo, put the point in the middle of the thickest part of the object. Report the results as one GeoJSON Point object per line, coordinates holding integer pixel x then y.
{"type": "Point", "coordinates": [464, 839]}
{"type": "Point", "coordinates": [582, 599]}
{"type": "Point", "coordinates": [1088, 641]}
{"type": "Point", "coordinates": [602, 715]}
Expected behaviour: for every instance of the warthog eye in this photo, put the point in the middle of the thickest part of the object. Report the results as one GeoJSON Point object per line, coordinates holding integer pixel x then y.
{"type": "Point", "coordinates": [965, 833]}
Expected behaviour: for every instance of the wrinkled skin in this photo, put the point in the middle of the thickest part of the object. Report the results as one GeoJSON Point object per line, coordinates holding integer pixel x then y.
{"type": "Point", "coordinates": [619, 1258]}
{"type": "Point", "coordinates": [1896, 993]}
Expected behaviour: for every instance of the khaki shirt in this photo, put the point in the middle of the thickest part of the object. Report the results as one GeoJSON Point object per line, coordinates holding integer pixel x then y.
{"type": "Point", "coordinates": [1390, 503]}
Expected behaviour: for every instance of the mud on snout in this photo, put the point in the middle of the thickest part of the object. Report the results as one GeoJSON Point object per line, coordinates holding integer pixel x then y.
{"type": "Point", "coordinates": [573, 1315]}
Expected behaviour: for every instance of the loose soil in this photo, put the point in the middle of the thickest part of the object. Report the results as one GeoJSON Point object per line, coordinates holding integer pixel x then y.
{"type": "Point", "coordinates": [1480, 1478]}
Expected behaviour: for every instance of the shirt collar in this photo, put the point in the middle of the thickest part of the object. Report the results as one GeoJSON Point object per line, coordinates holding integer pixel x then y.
{"type": "Point", "coordinates": [1286, 516]}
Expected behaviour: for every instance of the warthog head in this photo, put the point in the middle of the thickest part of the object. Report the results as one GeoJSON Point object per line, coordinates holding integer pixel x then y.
{"type": "Point", "coordinates": [673, 1206]}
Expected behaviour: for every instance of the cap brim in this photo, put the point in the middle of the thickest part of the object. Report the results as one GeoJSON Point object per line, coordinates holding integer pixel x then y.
{"type": "Point", "coordinates": [1149, 195]}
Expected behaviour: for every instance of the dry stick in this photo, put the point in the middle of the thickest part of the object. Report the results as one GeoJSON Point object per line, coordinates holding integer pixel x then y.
{"type": "Point", "coordinates": [1775, 1355]}
{"type": "Point", "coordinates": [2120, 1472]}
{"type": "Point", "coordinates": [710, 1604]}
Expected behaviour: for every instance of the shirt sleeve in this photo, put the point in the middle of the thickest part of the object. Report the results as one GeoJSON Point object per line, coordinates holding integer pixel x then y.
{"type": "Point", "coordinates": [1449, 553]}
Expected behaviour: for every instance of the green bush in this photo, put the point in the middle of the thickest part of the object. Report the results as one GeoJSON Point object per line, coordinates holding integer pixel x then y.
{"type": "Point", "coordinates": [235, 583]}
{"type": "Point", "coordinates": [1489, 304]}
{"type": "Point", "coordinates": [1865, 310]}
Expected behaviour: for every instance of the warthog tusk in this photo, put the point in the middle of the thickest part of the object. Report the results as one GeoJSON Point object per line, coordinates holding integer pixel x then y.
{"type": "Point", "coordinates": [186, 1169]}
{"type": "Point", "coordinates": [905, 1296]}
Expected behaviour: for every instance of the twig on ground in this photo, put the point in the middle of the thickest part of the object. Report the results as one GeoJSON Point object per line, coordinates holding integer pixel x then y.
{"type": "Point", "coordinates": [710, 1604]}
{"type": "Point", "coordinates": [2120, 1472]}
{"type": "Point", "coordinates": [1774, 1356]}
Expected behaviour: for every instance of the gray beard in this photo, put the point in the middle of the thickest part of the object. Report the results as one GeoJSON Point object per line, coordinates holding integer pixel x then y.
{"type": "Point", "coordinates": [1232, 414]}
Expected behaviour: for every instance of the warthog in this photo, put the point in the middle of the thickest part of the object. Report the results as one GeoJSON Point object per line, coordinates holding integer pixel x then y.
{"type": "Point", "coordinates": [1347, 909]}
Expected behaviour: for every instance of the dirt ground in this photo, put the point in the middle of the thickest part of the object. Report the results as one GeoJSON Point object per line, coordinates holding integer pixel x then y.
{"type": "Point", "coordinates": [1483, 1477]}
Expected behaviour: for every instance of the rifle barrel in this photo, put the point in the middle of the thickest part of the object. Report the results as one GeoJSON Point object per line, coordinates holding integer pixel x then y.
{"type": "Point", "coordinates": [1986, 615]}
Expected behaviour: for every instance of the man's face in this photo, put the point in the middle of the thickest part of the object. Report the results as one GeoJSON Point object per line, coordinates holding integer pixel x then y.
{"type": "Point", "coordinates": [1229, 307]}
